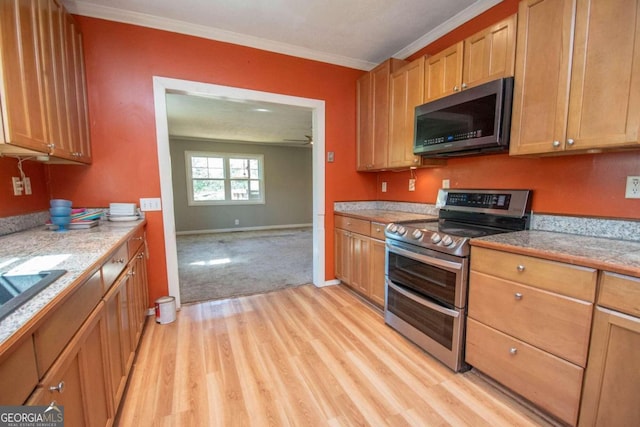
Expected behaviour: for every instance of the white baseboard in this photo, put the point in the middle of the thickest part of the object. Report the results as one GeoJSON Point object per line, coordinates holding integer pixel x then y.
{"type": "Point", "coordinates": [329, 283]}
{"type": "Point", "coordinates": [229, 230]}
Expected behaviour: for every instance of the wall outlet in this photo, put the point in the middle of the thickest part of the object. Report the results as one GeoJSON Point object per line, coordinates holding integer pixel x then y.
{"type": "Point", "coordinates": [236, 222]}
{"type": "Point", "coordinates": [150, 204]}
{"type": "Point", "coordinates": [17, 186]}
{"type": "Point", "coordinates": [27, 185]}
{"type": "Point", "coordinates": [384, 186]}
{"type": "Point", "coordinates": [412, 184]}
{"type": "Point", "coordinates": [445, 183]}
{"type": "Point", "coordinates": [633, 187]}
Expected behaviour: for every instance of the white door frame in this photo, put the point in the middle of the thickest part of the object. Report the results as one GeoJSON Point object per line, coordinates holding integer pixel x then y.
{"type": "Point", "coordinates": [162, 86]}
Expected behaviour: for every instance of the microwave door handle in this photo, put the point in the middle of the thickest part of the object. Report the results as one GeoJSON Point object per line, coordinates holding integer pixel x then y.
{"type": "Point", "coordinates": [423, 301]}
{"type": "Point", "coordinates": [447, 265]}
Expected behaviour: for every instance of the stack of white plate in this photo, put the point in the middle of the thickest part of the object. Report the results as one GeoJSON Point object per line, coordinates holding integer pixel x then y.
{"type": "Point", "coordinates": [123, 212]}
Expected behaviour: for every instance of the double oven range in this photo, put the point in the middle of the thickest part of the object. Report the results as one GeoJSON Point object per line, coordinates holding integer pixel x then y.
{"type": "Point", "coordinates": [427, 267]}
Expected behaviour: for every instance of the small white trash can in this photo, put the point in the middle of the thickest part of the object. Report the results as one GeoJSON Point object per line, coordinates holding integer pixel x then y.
{"type": "Point", "coordinates": [165, 310]}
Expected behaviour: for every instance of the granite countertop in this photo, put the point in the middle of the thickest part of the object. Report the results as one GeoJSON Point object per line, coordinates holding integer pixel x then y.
{"type": "Point", "coordinates": [386, 216]}
{"type": "Point", "coordinates": [618, 256]}
{"type": "Point", "coordinates": [80, 252]}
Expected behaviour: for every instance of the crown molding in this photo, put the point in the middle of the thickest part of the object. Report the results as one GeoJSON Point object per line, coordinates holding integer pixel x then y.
{"type": "Point", "coordinates": [446, 27]}
{"type": "Point", "coordinates": [141, 19]}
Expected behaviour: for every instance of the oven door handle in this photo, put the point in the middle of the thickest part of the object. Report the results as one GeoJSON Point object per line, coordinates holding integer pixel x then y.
{"type": "Point", "coordinates": [448, 265]}
{"type": "Point", "coordinates": [422, 301]}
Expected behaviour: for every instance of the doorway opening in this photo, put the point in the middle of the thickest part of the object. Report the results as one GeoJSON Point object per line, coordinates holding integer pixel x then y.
{"type": "Point", "coordinates": [163, 86]}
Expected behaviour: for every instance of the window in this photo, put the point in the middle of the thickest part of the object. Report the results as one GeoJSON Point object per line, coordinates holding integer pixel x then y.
{"type": "Point", "coordinates": [224, 179]}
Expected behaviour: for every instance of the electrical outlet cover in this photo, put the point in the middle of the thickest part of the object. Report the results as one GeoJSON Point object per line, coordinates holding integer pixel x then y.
{"type": "Point", "coordinates": [633, 187]}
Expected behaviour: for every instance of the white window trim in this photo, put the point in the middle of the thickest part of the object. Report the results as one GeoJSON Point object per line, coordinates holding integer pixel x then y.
{"type": "Point", "coordinates": [189, 154]}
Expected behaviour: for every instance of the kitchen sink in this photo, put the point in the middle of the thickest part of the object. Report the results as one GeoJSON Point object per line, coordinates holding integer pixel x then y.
{"type": "Point", "coordinates": [16, 289]}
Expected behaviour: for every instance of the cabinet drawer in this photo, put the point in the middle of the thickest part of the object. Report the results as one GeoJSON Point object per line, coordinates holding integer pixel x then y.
{"type": "Point", "coordinates": [565, 279]}
{"type": "Point", "coordinates": [136, 240]}
{"type": "Point", "coordinates": [377, 230]}
{"type": "Point", "coordinates": [64, 322]}
{"type": "Point", "coordinates": [112, 268]}
{"type": "Point", "coordinates": [359, 226]}
{"type": "Point", "coordinates": [18, 373]}
{"type": "Point", "coordinates": [548, 381]}
{"type": "Point", "coordinates": [621, 293]}
{"type": "Point", "coordinates": [552, 322]}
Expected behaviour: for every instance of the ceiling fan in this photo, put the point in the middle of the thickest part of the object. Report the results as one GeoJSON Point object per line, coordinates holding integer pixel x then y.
{"type": "Point", "coordinates": [307, 141]}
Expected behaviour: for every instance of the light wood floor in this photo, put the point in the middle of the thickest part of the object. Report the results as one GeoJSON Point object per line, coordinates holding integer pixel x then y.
{"type": "Point", "coordinates": [300, 356]}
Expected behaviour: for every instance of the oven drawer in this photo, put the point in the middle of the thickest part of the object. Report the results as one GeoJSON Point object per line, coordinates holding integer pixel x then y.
{"type": "Point", "coordinates": [548, 381]}
{"type": "Point", "coordinates": [355, 225]}
{"type": "Point", "coordinates": [552, 322]}
{"type": "Point", "coordinates": [565, 279]}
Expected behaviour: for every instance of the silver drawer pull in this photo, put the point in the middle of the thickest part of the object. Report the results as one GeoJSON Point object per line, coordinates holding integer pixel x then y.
{"type": "Point", "coordinates": [118, 261]}
{"type": "Point", "coordinates": [377, 230]}
{"type": "Point", "coordinates": [520, 268]}
{"type": "Point", "coordinates": [518, 296]}
{"type": "Point", "coordinates": [513, 350]}
{"type": "Point", "coordinates": [59, 388]}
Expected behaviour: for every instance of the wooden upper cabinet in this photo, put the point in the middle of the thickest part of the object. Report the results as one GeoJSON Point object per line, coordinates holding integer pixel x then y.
{"type": "Point", "coordinates": [43, 88]}
{"type": "Point", "coordinates": [22, 92]}
{"type": "Point", "coordinates": [443, 73]}
{"type": "Point", "coordinates": [373, 116]}
{"type": "Point", "coordinates": [407, 88]}
{"type": "Point", "coordinates": [490, 54]}
{"type": "Point", "coordinates": [576, 90]}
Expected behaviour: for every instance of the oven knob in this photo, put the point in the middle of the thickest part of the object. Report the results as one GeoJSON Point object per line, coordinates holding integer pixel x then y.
{"type": "Point", "coordinates": [435, 238]}
{"type": "Point", "coordinates": [401, 230]}
{"type": "Point", "coordinates": [392, 228]}
{"type": "Point", "coordinates": [447, 241]}
{"type": "Point", "coordinates": [417, 234]}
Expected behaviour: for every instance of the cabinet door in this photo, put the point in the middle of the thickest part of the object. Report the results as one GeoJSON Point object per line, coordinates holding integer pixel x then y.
{"type": "Point", "coordinates": [540, 101]}
{"type": "Point", "coordinates": [118, 337]}
{"type": "Point", "coordinates": [490, 54]}
{"type": "Point", "coordinates": [341, 253]}
{"type": "Point", "coordinates": [359, 262]}
{"type": "Point", "coordinates": [23, 94]}
{"type": "Point", "coordinates": [604, 105]}
{"type": "Point", "coordinates": [407, 87]}
{"type": "Point", "coordinates": [137, 288]}
{"type": "Point", "coordinates": [443, 73]}
{"type": "Point", "coordinates": [612, 378]}
{"type": "Point", "coordinates": [79, 379]}
{"type": "Point", "coordinates": [376, 275]}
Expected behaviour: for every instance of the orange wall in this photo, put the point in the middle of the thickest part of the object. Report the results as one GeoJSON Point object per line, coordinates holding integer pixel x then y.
{"type": "Point", "coordinates": [120, 63]}
{"type": "Point", "coordinates": [591, 185]}
{"type": "Point", "coordinates": [11, 205]}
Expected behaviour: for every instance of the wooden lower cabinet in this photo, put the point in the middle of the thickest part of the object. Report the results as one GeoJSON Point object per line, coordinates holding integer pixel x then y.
{"type": "Point", "coordinates": [612, 379]}
{"type": "Point", "coordinates": [18, 373]}
{"type": "Point", "coordinates": [529, 326]}
{"type": "Point", "coordinates": [120, 347]}
{"type": "Point", "coordinates": [359, 257]}
{"type": "Point", "coordinates": [79, 380]}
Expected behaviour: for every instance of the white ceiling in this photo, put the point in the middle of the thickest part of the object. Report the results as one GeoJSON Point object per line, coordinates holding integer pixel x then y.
{"type": "Point", "coordinates": [352, 33]}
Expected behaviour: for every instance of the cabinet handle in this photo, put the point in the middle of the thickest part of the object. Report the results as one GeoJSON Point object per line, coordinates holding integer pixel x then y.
{"type": "Point", "coordinates": [137, 238]}
{"type": "Point", "coordinates": [518, 296]}
{"type": "Point", "coordinates": [464, 85]}
{"type": "Point", "coordinates": [513, 350]}
{"type": "Point", "coordinates": [520, 268]}
{"type": "Point", "coordinates": [140, 256]}
{"type": "Point", "coordinates": [59, 388]}
{"type": "Point", "coordinates": [556, 144]}
{"type": "Point", "coordinates": [377, 230]}
{"type": "Point", "coordinates": [118, 261]}
{"type": "Point", "coordinates": [456, 88]}
{"type": "Point", "coordinates": [415, 160]}
{"type": "Point", "coordinates": [570, 141]}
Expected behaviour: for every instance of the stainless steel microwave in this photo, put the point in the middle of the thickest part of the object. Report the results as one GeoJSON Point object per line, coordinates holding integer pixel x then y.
{"type": "Point", "coordinates": [474, 121]}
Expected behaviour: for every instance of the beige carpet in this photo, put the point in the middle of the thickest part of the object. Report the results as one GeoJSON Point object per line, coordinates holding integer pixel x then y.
{"type": "Point", "coordinates": [223, 265]}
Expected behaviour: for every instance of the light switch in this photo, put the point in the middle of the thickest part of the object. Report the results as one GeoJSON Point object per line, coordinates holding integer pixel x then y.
{"type": "Point", "coordinates": [150, 204]}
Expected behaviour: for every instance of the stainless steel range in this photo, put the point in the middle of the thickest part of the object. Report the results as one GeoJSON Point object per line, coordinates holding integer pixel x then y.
{"type": "Point", "coordinates": [427, 267]}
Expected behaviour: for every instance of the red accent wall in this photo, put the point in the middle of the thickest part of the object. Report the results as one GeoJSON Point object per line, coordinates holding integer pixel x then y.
{"type": "Point", "coordinates": [588, 184]}
{"type": "Point", "coordinates": [11, 205]}
{"type": "Point", "coordinates": [121, 60]}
